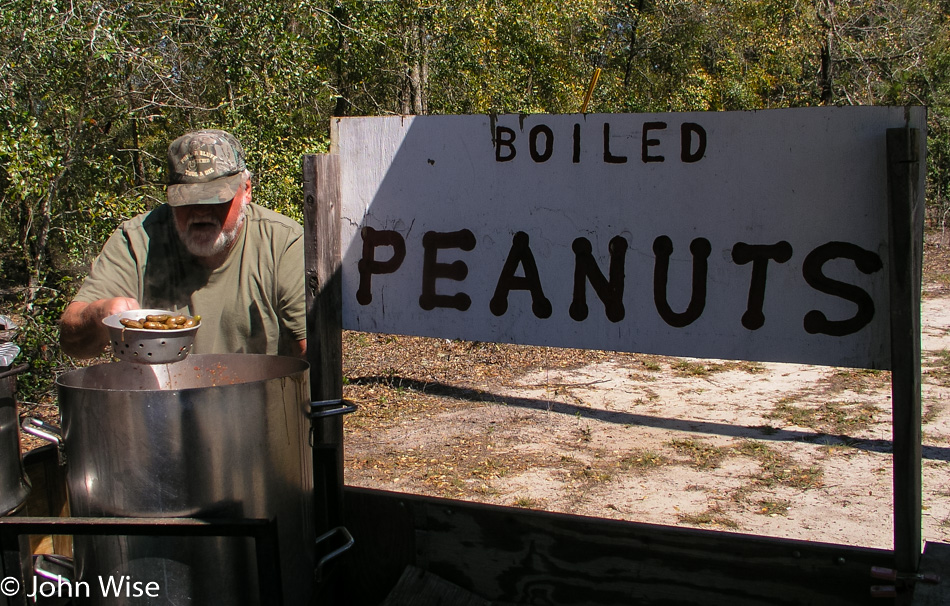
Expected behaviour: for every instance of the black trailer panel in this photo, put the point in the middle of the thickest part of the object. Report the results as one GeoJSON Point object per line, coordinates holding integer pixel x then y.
{"type": "Point", "coordinates": [520, 556]}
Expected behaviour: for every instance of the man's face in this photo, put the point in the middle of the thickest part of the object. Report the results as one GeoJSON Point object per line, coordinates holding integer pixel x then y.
{"type": "Point", "coordinates": [210, 229]}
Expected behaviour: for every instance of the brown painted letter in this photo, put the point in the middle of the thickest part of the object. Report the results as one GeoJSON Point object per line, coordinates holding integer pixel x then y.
{"type": "Point", "coordinates": [759, 256]}
{"type": "Point", "coordinates": [663, 248]}
{"type": "Point", "coordinates": [368, 265]}
{"type": "Point", "coordinates": [609, 291]}
{"type": "Point", "coordinates": [432, 270]}
{"type": "Point", "coordinates": [520, 254]}
{"type": "Point", "coordinates": [866, 261]}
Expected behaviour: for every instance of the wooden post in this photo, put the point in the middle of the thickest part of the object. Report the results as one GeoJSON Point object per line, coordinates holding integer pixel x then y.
{"type": "Point", "coordinates": [906, 218]}
{"type": "Point", "coordinates": [321, 186]}
{"type": "Point", "coordinates": [15, 563]}
{"type": "Point", "coordinates": [321, 182]}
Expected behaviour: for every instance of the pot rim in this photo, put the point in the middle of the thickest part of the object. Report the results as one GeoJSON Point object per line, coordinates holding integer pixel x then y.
{"type": "Point", "coordinates": [293, 366]}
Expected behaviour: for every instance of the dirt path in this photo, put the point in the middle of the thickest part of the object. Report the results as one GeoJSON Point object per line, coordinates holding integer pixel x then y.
{"type": "Point", "coordinates": [782, 450]}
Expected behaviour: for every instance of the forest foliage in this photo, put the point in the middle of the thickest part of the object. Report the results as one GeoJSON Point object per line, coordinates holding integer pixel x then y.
{"type": "Point", "coordinates": [92, 91]}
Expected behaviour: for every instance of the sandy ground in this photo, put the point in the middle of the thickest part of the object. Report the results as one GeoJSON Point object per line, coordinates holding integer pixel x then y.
{"type": "Point", "coordinates": [781, 450]}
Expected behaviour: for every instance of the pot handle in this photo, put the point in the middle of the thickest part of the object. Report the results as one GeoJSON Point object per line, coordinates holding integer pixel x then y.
{"type": "Point", "coordinates": [336, 552]}
{"type": "Point", "coordinates": [61, 563]}
{"type": "Point", "coordinates": [46, 431]}
{"type": "Point", "coordinates": [322, 409]}
{"type": "Point", "coordinates": [14, 371]}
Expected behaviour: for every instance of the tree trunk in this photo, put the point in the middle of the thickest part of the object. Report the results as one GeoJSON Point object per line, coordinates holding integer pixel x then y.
{"type": "Point", "coordinates": [826, 16]}
{"type": "Point", "coordinates": [40, 233]}
{"type": "Point", "coordinates": [418, 73]}
{"type": "Point", "coordinates": [138, 166]}
{"type": "Point", "coordinates": [342, 106]}
{"type": "Point", "coordinates": [632, 49]}
{"type": "Point", "coordinates": [405, 89]}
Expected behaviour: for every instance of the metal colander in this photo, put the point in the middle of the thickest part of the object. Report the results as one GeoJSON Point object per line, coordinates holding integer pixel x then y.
{"type": "Point", "coordinates": [144, 346]}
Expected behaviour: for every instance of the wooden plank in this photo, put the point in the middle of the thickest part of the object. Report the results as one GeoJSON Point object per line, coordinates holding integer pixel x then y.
{"type": "Point", "coordinates": [383, 527]}
{"type": "Point", "coordinates": [934, 561]}
{"type": "Point", "coordinates": [906, 218]}
{"type": "Point", "coordinates": [520, 556]}
{"type": "Point", "coordinates": [324, 328]}
{"type": "Point", "coordinates": [321, 188]}
{"type": "Point", "coordinates": [440, 216]}
{"type": "Point", "coordinates": [321, 185]}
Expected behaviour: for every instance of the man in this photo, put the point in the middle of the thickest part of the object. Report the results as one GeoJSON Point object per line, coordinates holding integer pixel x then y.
{"type": "Point", "coordinates": [210, 252]}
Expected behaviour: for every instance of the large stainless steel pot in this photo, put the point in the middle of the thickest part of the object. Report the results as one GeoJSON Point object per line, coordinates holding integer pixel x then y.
{"type": "Point", "coordinates": [212, 436]}
{"type": "Point", "coordinates": [14, 485]}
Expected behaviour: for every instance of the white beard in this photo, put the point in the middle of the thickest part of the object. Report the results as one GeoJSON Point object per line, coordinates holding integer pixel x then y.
{"type": "Point", "coordinates": [203, 237]}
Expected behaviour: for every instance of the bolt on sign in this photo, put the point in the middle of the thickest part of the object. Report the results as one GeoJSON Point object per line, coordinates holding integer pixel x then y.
{"type": "Point", "coordinates": [737, 235]}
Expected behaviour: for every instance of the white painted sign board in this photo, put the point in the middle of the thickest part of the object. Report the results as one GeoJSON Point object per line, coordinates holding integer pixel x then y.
{"type": "Point", "coordinates": [736, 235]}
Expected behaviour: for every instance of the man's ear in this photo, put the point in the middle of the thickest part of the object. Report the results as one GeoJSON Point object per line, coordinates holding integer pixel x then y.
{"type": "Point", "coordinates": [247, 193]}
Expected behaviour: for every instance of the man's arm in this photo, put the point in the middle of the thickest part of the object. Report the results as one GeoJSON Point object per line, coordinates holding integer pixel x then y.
{"type": "Point", "coordinates": [81, 331]}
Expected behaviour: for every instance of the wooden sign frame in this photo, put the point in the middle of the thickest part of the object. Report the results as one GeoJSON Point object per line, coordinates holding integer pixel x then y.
{"type": "Point", "coordinates": [906, 221]}
{"type": "Point", "coordinates": [321, 174]}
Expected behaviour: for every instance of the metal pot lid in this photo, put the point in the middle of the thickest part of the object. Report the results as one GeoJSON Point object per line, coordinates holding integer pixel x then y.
{"type": "Point", "coordinates": [8, 353]}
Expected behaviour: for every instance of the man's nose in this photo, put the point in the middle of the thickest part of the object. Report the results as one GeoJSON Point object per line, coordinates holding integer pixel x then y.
{"type": "Point", "coordinates": [201, 210]}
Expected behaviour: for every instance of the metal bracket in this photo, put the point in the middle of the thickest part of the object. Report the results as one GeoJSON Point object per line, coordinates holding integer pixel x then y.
{"type": "Point", "coordinates": [322, 409]}
{"type": "Point", "coordinates": [899, 580]}
{"type": "Point", "coordinates": [336, 552]}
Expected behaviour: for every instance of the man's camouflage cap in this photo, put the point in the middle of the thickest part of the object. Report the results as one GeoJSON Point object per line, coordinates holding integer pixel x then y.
{"type": "Point", "coordinates": [204, 167]}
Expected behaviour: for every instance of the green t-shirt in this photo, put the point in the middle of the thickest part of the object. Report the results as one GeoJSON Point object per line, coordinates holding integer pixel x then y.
{"type": "Point", "coordinates": [253, 303]}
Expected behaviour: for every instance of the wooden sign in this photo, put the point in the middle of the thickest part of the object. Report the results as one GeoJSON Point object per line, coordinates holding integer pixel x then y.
{"type": "Point", "coordinates": [737, 235]}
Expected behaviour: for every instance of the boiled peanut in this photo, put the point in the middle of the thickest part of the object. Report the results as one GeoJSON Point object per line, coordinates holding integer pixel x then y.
{"type": "Point", "coordinates": [161, 322]}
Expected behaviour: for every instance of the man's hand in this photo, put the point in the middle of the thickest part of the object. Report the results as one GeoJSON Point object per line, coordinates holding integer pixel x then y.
{"type": "Point", "coordinates": [81, 331]}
